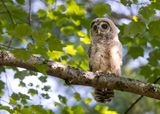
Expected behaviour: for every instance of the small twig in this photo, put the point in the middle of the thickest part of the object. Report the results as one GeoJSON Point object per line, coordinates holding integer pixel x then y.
{"type": "Point", "coordinates": [30, 11]}
{"type": "Point", "coordinates": [1, 100]}
{"type": "Point", "coordinates": [5, 46]}
{"type": "Point", "coordinates": [12, 20]}
{"type": "Point", "coordinates": [133, 104]}
{"type": "Point", "coordinates": [30, 18]}
{"type": "Point", "coordinates": [138, 99]}
{"type": "Point", "coordinates": [9, 13]}
{"type": "Point", "coordinates": [9, 43]}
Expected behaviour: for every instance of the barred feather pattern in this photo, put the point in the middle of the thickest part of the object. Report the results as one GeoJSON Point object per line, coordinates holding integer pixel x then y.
{"type": "Point", "coordinates": [105, 54]}
{"type": "Point", "coordinates": [103, 95]}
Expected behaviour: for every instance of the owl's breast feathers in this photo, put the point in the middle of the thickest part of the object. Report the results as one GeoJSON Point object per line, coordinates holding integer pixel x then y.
{"type": "Point", "coordinates": [106, 56]}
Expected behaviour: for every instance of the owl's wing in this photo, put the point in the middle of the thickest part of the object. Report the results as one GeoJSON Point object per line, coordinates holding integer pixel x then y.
{"type": "Point", "coordinates": [89, 55]}
{"type": "Point", "coordinates": [120, 53]}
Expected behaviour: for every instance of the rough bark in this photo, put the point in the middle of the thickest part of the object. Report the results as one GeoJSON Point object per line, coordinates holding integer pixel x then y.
{"type": "Point", "coordinates": [79, 77]}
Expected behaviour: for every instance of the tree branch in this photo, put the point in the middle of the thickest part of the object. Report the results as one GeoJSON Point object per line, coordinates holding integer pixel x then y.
{"type": "Point", "coordinates": [79, 77]}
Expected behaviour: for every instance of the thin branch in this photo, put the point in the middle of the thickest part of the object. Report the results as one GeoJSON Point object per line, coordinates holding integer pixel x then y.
{"type": "Point", "coordinates": [12, 20]}
{"type": "Point", "coordinates": [9, 43]}
{"type": "Point", "coordinates": [30, 18]}
{"type": "Point", "coordinates": [30, 11]}
{"type": "Point", "coordinates": [133, 104]}
{"type": "Point", "coordinates": [79, 77]}
{"type": "Point", "coordinates": [6, 47]}
{"type": "Point", "coordinates": [138, 99]}
{"type": "Point", "coordinates": [9, 13]}
{"type": "Point", "coordinates": [1, 100]}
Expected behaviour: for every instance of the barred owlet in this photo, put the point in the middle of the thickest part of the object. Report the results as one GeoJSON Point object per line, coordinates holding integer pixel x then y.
{"type": "Point", "coordinates": [105, 54]}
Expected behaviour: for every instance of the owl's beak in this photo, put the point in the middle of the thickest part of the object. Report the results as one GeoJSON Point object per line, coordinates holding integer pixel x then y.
{"type": "Point", "coordinates": [98, 31]}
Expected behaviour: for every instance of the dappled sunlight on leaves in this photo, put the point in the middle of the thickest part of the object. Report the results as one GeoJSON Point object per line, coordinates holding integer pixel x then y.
{"type": "Point", "coordinates": [74, 9]}
{"type": "Point", "coordinates": [104, 110]}
{"type": "Point", "coordinates": [58, 30]}
{"type": "Point", "coordinates": [70, 50]}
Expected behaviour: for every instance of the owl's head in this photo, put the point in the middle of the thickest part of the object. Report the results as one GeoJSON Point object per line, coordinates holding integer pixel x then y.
{"type": "Point", "coordinates": [103, 27]}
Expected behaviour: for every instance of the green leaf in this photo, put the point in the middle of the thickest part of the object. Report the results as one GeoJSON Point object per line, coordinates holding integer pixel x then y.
{"type": "Point", "coordinates": [15, 96]}
{"type": "Point", "coordinates": [51, 2]}
{"type": "Point", "coordinates": [21, 74]}
{"type": "Point", "coordinates": [87, 100]}
{"type": "Point", "coordinates": [57, 104]}
{"type": "Point", "coordinates": [55, 44]}
{"type": "Point", "coordinates": [52, 16]}
{"type": "Point", "coordinates": [104, 110]}
{"type": "Point", "coordinates": [155, 42]}
{"type": "Point", "coordinates": [61, 8]}
{"type": "Point", "coordinates": [40, 37]}
{"type": "Point", "coordinates": [41, 13]}
{"type": "Point", "coordinates": [70, 50]}
{"type": "Point", "coordinates": [77, 96]}
{"type": "Point", "coordinates": [101, 8]}
{"type": "Point", "coordinates": [32, 92]}
{"type": "Point", "coordinates": [45, 95]}
{"type": "Point", "coordinates": [67, 110]}
{"type": "Point", "coordinates": [1, 87]}
{"type": "Point", "coordinates": [46, 88]}
{"type": "Point", "coordinates": [23, 96]}
{"type": "Point", "coordinates": [13, 101]}
{"type": "Point", "coordinates": [146, 12]}
{"type": "Point", "coordinates": [22, 30]}
{"type": "Point", "coordinates": [78, 109]}
{"type": "Point", "coordinates": [21, 84]}
{"type": "Point", "coordinates": [68, 30]}
{"type": "Point", "coordinates": [21, 54]}
{"type": "Point", "coordinates": [55, 55]}
{"type": "Point", "coordinates": [154, 57]}
{"type": "Point", "coordinates": [134, 28]}
{"type": "Point", "coordinates": [40, 50]}
{"type": "Point", "coordinates": [35, 109]}
{"type": "Point", "coordinates": [26, 110]}
{"type": "Point", "coordinates": [154, 28]}
{"type": "Point", "coordinates": [43, 78]}
{"type": "Point", "coordinates": [155, 5]}
{"type": "Point", "coordinates": [126, 2]}
{"type": "Point", "coordinates": [146, 70]}
{"type": "Point", "coordinates": [84, 64]}
{"type": "Point", "coordinates": [74, 9]}
{"type": "Point", "coordinates": [42, 68]}
{"type": "Point", "coordinates": [136, 51]}
{"type": "Point", "coordinates": [62, 99]}
{"type": "Point", "coordinates": [20, 1]}
{"type": "Point", "coordinates": [80, 50]}
{"type": "Point", "coordinates": [7, 108]}
{"type": "Point", "coordinates": [85, 40]}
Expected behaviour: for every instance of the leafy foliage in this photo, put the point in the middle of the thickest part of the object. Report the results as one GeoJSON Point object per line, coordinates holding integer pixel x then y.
{"type": "Point", "coordinates": [59, 31]}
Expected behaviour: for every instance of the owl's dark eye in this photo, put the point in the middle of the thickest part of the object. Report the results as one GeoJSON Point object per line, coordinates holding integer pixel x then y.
{"type": "Point", "coordinates": [95, 27]}
{"type": "Point", "coordinates": [92, 24]}
{"type": "Point", "coordinates": [104, 26]}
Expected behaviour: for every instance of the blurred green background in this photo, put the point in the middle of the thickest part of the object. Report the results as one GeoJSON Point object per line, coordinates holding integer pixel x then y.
{"type": "Point", "coordinates": [58, 30]}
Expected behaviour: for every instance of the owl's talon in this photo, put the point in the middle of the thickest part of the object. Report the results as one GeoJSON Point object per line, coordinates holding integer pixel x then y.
{"type": "Point", "coordinates": [98, 73]}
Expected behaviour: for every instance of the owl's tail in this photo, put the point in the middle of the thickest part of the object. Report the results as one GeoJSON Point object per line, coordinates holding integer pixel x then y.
{"type": "Point", "coordinates": [103, 95]}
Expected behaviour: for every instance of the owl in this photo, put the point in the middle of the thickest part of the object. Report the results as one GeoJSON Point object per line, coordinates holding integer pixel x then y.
{"type": "Point", "coordinates": [105, 54]}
